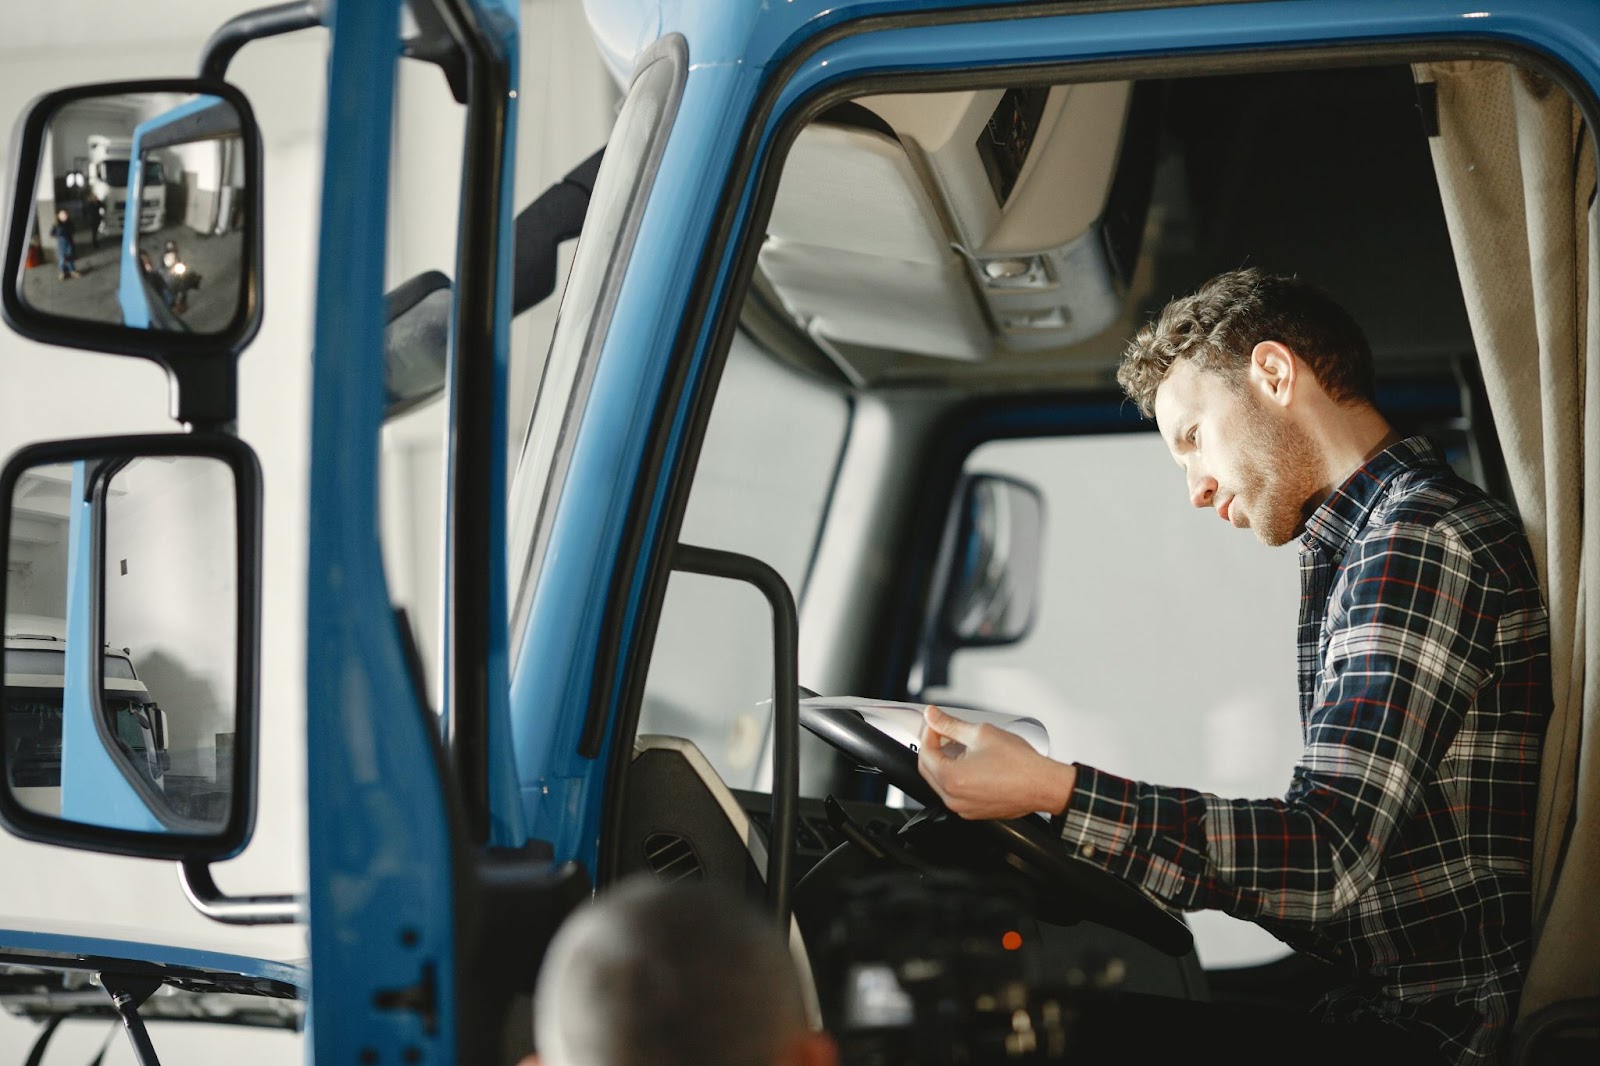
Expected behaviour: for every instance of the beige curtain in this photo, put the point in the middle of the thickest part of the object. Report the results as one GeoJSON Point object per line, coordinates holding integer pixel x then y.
{"type": "Point", "coordinates": [1516, 171]}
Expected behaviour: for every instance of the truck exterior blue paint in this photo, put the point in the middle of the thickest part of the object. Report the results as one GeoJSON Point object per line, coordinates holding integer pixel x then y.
{"type": "Point", "coordinates": [554, 666]}
{"type": "Point", "coordinates": [506, 822]}
{"type": "Point", "coordinates": [93, 942]}
{"type": "Point", "coordinates": [93, 788]}
{"type": "Point", "coordinates": [378, 829]}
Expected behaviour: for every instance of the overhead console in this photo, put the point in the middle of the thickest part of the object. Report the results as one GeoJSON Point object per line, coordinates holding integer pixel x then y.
{"type": "Point", "coordinates": [962, 225]}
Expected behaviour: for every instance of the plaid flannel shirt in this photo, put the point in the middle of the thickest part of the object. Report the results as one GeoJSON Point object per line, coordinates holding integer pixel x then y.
{"type": "Point", "coordinates": [1401, 851]}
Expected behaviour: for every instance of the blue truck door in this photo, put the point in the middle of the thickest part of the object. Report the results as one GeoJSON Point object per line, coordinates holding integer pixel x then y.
{"type": "Point", "coordinates": [398, 912]}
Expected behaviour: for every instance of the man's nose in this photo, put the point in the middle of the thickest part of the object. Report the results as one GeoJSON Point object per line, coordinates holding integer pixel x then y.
{"type": "Point", "coordinates": [1202, 489]}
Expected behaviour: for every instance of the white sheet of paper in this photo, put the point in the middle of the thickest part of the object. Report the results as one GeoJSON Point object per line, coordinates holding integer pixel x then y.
{"type": "Point", "coordinates": [903, 721]}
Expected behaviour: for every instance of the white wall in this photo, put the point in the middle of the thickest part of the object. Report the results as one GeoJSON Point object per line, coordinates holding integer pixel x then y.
{"type": "Point", "coordinates": [171, 596]}
{"type": "Point", "coordinates": [201, 158]}
{"type": "Point", "coordinates": [36, 566]}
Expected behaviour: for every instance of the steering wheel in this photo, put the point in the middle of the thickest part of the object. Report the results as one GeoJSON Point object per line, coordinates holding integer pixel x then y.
{"type": "Point", "coordinates": [1026, 844]}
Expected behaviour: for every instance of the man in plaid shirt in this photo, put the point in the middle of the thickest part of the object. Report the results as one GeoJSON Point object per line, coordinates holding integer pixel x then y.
{"type": "Point", "coordinates": [1401, 851]}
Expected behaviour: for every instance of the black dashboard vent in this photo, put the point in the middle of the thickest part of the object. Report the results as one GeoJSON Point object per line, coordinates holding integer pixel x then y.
{"type": "Point", "coordinates": [672, 858]}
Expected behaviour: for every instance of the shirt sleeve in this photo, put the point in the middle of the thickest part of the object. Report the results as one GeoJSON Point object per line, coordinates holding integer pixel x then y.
{"type": "Point", "coordinates": [1407, 643]}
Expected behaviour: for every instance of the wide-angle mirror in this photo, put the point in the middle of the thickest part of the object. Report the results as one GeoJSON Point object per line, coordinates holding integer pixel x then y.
{"type": "Point", "coordinates": [135, 220]}
{"type": "Point", "coordinates": [129, 605]}
{"type": "Point", "coordinates": [139, 207]}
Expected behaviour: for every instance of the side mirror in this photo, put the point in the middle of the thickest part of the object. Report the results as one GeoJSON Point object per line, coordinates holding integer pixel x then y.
{"type": "Point", "coordinates": [994, 574]}
{"type": "Point", "coordinates": [416, 342]}
{"type": "Point", "coordinates": [131, 589]}
{"type": "Point", "coordinates": [987, 576]}
{"type": "Point", "coordinates": [134, 227]}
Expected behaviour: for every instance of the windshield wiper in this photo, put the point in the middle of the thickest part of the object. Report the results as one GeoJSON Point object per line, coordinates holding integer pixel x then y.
{"type": "Point", "coordinates": [128, 993]}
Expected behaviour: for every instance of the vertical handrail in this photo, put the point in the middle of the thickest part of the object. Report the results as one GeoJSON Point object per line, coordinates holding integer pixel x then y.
{"type": "Point", "coordinates": [785, 704]}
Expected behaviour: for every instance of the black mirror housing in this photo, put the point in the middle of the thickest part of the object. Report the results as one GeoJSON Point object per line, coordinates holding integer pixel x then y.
{"type": "Point", "coordinates": [144, 297]}
{"type": "Point", "coordinates": [92, 758]}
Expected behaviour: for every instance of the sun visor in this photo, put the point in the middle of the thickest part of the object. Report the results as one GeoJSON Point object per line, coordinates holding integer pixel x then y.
{"type": "Point", "coordinates": [857, 253]}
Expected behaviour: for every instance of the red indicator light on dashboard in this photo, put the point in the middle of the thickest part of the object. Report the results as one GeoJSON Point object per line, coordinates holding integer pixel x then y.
{"type": "Point", "coordinates": [1011, 941]}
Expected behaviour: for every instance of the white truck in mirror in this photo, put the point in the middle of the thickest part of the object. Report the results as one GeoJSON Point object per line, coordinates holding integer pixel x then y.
{"type": "Point", "coordinates": [35, 673]}
{"type": "Point", "coordinates": [108, 180]}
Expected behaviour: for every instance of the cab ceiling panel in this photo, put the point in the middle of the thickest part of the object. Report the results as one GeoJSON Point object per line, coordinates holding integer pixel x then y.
{"type": "Point", "coordinates": [951, 225]}
{"type": "Point", "coordinates": [857, 254]}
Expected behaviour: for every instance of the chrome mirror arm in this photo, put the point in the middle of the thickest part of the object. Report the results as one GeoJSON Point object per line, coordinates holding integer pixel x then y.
{"type": "Point", "coordinates": [202, 892]}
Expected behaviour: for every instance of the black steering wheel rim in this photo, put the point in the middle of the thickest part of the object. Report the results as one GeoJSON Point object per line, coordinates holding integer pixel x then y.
{"type": "Point", "coordinates": [1027, 842]}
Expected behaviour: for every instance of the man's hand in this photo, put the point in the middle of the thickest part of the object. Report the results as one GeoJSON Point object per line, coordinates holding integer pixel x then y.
{"type": "Point", "coordinates": [982, 772]}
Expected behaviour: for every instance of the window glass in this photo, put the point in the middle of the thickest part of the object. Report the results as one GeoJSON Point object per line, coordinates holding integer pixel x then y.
{"type": "Point", "coordinates": [1170, 661]}
{"type": "Point", "coordinates": [603, 249]}
{"type": "Point", "coordinates": [756, 493]}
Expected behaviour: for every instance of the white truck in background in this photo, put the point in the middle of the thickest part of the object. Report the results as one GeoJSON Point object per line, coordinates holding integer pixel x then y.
{"type": "Point", "coordinates": [108, 180]}
{"type": "Point", "coordinates": [35, 671]}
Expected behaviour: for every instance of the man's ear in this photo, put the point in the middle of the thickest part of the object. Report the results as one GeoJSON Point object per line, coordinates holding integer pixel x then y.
{"type": "Point", "coordinates": [1274, 372]}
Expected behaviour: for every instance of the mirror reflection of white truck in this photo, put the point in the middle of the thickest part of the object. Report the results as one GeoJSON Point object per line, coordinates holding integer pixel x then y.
{"type": "Point", "coordinates": [35, 669]}
{"type": "Point", "coordinates": [109, 163]}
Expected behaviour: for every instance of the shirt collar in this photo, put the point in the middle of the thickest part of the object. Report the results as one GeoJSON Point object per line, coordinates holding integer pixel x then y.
{"type": "Point", "coordinates": [1336, 521]}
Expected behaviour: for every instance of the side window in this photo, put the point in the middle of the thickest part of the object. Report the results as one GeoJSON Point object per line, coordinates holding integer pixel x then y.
{"type": "Point", "coordinates": [1169, 660]}
{"type": "Point", "coordinates": [755, 492]}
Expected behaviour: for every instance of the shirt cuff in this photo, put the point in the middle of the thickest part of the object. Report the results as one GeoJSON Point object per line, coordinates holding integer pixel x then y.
{"type": "Point", "coordinates": [1099, 818]}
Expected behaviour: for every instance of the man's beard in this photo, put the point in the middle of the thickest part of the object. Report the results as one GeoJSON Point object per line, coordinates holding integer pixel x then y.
{"type": "Point", "coordinates": [1281, 475]}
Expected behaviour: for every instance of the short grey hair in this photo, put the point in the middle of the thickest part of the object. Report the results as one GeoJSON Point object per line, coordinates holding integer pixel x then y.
{"type": "Point", "coordinates": [648, 974]}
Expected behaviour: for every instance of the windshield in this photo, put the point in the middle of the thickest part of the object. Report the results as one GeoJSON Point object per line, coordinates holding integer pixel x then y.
{"type": "Point", "coordinates": [33, 737]}
{"type": "Point", "coordinates": [115, 172]}
{"type": "Point", "coordinates": [33, 733]}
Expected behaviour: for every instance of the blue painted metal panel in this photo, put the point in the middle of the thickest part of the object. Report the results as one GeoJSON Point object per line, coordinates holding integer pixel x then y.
{"type": "Point", "coordinates": [731, 49]}
{"type": "Point", "coordinates": [502, 19]}
{"type": "Point", "coordinates": [130, 295]}
{"type": "Point", "coordinates": [560, 643]}
{"type": "Point", "coordinates": [381, 894]}
{"type": "Point", "coordinates": [130, 287]}
{"type": "Point", "coordinates": [76, 940]}
{"type": "Point", "coordinates": [93, 789]}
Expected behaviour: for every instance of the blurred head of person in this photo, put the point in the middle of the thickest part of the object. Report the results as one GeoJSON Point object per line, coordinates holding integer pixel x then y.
{"type": "Point", "coordinates": [648, 974]}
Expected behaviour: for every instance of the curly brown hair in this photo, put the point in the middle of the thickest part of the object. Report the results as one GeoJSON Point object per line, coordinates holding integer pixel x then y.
{"type": "Point", "coordinates": [1222, 322]}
